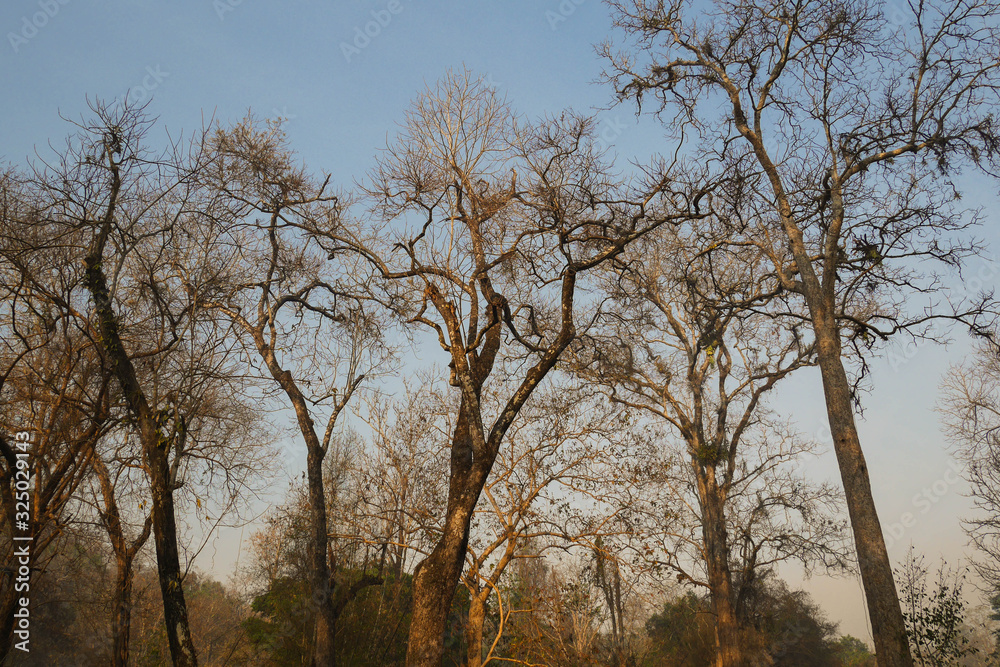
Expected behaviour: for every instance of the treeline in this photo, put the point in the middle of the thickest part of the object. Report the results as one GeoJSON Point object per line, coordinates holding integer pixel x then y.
{"type": "Point", "coordinates": [598, 435]}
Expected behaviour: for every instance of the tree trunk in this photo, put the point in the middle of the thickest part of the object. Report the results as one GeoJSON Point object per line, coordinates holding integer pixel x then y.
{"type": "Point", "coordinates": [729, 650]}
{"type": "Point", "coordinates": [122, 619]}
{"type": "Point", "coordinates": [474, 628]}
{"type": "Point", "coordinates": [434, 589]}
{"type": "Point", "coordinates": [324, 654]}
{"type": "Point", "coordinates": [155, 448]}
{"type": "Point", "coordinates": [888, 629]}
{"type": "Point", "coordinates": [436, 578]}
{"type": "Point", "coordinates": [168, 563]}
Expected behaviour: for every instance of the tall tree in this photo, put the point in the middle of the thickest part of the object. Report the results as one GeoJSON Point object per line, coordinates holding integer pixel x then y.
{"type": "Point", "coordinates": [117, 207]}
{"type": "Point", "coordinates": [691, 337]}
{"type": "Point", "coordinates": [844, 135]}
{"type": "Point", "coordinates": [302, 319]}
{"type": "Point", "coordinates": [53, 388]}
{"type": "Point", "coordinates": [485, 225]}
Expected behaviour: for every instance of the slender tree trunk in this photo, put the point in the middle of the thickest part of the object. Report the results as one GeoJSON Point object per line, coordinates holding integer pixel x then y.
{"type": "Point", "coordinates": [122, 619]}
{"type": "Point", "coordinates": [168, 564]}
{"type": "Point", "coordinates": [155, 448]}
{"type": "Point", "coordinates": [888, 629]}
{"type": "Point", "coordinates": [324, 654]}
{"type": "Point", "coordinates": [729, 649]}
{"type": "Point", "coordinates": [474, 628]}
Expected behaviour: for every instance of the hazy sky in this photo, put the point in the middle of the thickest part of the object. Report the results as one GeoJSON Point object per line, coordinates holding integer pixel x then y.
{"type": "Point", "coordinates": [342, 92]}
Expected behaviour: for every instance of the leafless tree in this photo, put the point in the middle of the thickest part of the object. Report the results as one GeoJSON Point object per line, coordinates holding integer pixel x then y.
{"type": "Point", "coordinates": [53, 386]}
{"type": "Point", "coordinates": [484, 227]}
{"type": "Point", "coordinates": [692, 337]}
{"type": "Point", "coordinates": [843, 130]}
{"type": "Point", "coordinates": [301, 318]}
{"type": "Point", "coordinates": [553, 486]}
{"type": "Point", "coordinates": [970, 409]}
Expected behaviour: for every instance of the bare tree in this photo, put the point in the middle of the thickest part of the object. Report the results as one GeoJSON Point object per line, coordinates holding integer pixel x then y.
{"type": "Point", "coordinates": [301, 318]}
{"type": "Point", "coordinates": [109, 203]}
{"type": "Point", "coordinates": [553, 486]}
{"type": "Point", "coordinates": [485, 227]}
{"type": "Point", "coordinates": [691, 336]}
{"type": "Point", "coordinates": [54, 388]}
{"type": "Point", "coordinates": [843, 134]}
{"type": "Point", "coordinates": [970, 408]}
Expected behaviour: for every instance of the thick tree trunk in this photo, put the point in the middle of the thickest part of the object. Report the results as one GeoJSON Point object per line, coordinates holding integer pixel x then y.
{"type": "Point", "coordinates": [474, 629]}
{"type": "Point", "coordinates": [436, 578]}
{"type": "Point", "coordinates": [888, 629]}
{"type": "Point", "coordinates": [729, 650]}
{"type": "Point", "coordinates": [434, 589]}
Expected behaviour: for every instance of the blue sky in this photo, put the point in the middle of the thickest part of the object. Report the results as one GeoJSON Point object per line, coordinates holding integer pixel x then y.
{"type": "Point", "coordinates": [199, 58]}
{"type": "Point", "coordinates": [203, 58]}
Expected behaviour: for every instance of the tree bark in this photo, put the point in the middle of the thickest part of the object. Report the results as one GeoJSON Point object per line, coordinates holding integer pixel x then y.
{"type": "Point", "coordinates": [888, 629]}
{"type": "Point", "coordinates": [122, 620]}
{"type": "Point", "coordinates": [474, 628]}
{"type": "Point", "coordinates": [324, 654]}
{"type": "Point", "coordinates": [729, 650]}
{"type": "Point", "coordinates": [436, 578]}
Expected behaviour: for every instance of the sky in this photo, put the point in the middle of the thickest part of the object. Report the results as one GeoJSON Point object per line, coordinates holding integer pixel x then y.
{"type": "Point", "coordinates": [341, 75]}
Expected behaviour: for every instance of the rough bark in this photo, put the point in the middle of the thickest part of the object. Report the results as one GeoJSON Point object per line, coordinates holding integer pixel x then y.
{"type": "Point", "coordinates": [729, 650]}
{"type": "Point", "coordinates": [436, 578]}
{"type": "Point", "coordinates": [474, 629]}
{"type": "Point", "coordinates": [888, 629]}
{"type": "Point", "coordinates": [122, 620]}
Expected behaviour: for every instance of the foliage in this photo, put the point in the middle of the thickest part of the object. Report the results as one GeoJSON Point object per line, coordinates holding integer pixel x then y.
{"type": "Point", "coordinates": [934, 612]}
